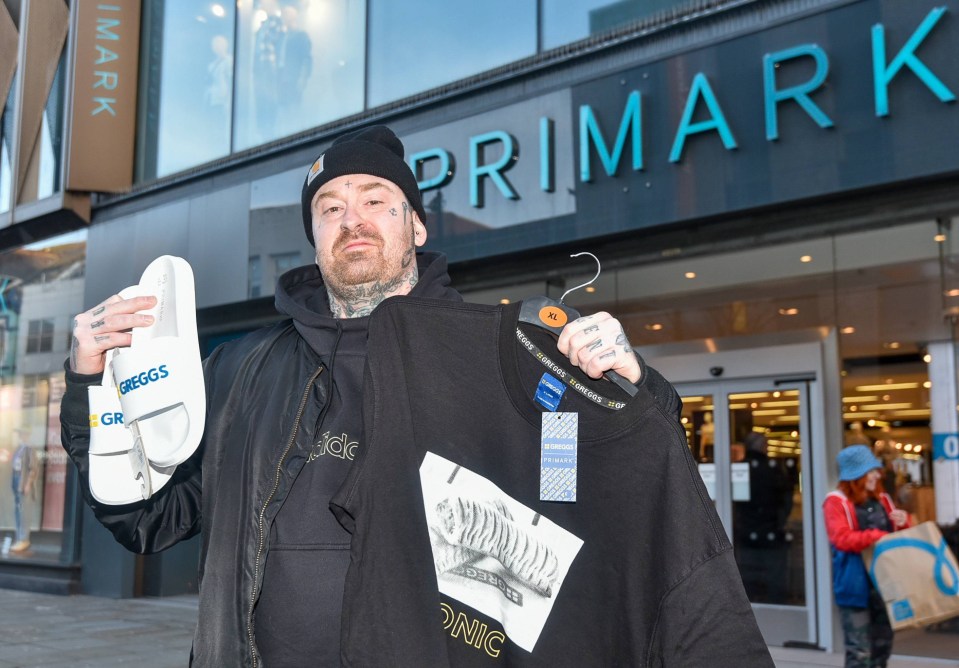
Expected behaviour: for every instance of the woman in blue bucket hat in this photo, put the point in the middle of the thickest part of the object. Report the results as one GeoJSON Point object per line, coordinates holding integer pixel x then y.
{"type": "Point", "coordinates": [857, 515]}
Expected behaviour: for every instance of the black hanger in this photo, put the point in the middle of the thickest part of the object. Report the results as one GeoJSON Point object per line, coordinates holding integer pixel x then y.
{"type": "Point", "coordinates": [553, 315]}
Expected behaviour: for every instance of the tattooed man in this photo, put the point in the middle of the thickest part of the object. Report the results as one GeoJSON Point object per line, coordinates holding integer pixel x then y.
{"type": "Point", "coordinates": [284, 414]}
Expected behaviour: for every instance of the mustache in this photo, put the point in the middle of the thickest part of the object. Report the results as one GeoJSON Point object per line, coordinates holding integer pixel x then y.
{"type": "Point", "coordinates": [349, 236]}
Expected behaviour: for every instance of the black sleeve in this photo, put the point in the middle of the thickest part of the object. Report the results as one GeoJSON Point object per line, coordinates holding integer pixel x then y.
{"type": "Point", "coordinates": [166, 518]}
{"type": "Point", "coordinates": [662, 390]}
{"type": "Point", "coordinates": [706, 620]}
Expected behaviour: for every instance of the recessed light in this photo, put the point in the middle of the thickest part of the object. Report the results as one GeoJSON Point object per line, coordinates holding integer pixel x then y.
{"type": "Point", "coordinates": [927, 384]}
{"type": "Point", "coordinates": [504, 300]}
{"type": "Point", "coordinates": [590, 288]}
{"type": "Point", "coordinates": [806, 258]}
{"type": "Point", "coordinates": [690, 274]}
{"type": "Point", "coordinates": [927, 358]}
{"type": "Point", "coordinates": [892, 345]}
{"type": "Point", "coordinates": [952, 293]}
{"type": "Point", "coordinates": [918, 448]}
{"type": "Point", "coordinates": [789, 311]}
{"type": "Point", "coordinates": [939, 238]}
{"type": "Point", "coordinates": [848, 330]}
{"type": "Point", "coordinates": [654, 327]}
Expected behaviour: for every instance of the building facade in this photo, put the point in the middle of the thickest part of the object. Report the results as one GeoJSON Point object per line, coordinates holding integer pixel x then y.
{"type": "Point", "coordinates": [770, 187]}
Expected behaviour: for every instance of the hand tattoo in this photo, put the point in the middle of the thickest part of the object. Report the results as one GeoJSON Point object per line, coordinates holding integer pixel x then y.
{"type": "Point", "coordinates": [99, 310]}
{"type": "Point", "coordinates": [101, 338]}
{"type": "Point", "coordinates": [595, 344]}
{"type": "Point", "coordinates": [591, 329]}
{"type": "Point", "coordinates": [98, 323]}
{"type": "Point", "coordinates": [607, 355]}
{"type": "Point", "coordinates": [73, 353]}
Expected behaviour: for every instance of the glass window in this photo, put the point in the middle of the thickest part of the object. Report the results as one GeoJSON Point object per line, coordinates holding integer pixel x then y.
{"type": "Point", "coordinates": [41, 289]}
{"type": "Point", "coordinates": [418, 45]}
{"type": "Point", "coordinates": [566, 21]}
{"type": "Point", "coordinates": [283, 262]}
{"type": "Point", "coordinates": [255, 277]}
{"type": "Point", "coordinates": [300, 63]}
{"type": "Point", "coordinates": [6, 134]}
{"type": "Point", "coordinates": [51, 138]}
{"type": "Point", "coordinates": [40, 336]}
{"type": "Point", "coordinates": [189, 86]}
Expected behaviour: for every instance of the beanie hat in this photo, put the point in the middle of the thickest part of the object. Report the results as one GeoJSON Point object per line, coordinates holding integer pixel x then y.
{"type": "Point", "coordinates": [375, 151]}
{"type": "Point", "coordinates": [856, 461]}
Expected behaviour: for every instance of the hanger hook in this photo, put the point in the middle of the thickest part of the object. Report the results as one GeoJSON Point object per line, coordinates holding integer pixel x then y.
{"type": "Point", "coordinates": [599, 268]}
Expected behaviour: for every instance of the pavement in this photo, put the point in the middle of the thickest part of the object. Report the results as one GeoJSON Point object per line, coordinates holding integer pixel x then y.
{"type": "Point", "coordinates": [49, 631]}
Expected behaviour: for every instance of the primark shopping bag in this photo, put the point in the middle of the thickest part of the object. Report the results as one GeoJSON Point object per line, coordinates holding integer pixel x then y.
{"type": "Point", "coordinates": [917, 575]}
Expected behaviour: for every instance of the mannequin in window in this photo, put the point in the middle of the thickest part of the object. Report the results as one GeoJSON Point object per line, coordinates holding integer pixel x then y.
{"type": "Point", "coordinates": [24, 475]}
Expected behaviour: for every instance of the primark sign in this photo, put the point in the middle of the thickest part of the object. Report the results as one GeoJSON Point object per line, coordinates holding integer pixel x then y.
{"type": "Point", "coordinates": [856, 97]}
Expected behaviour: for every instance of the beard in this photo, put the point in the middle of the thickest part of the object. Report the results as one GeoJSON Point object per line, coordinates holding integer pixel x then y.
{"type": "Point", "coordinates": [343, 270]}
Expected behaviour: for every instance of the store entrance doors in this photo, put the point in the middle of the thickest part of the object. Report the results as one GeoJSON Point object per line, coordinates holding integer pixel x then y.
{"type": "Point", "coordinates": [751, 442]}
{"type": "Point", "coordinates": [755, 424]}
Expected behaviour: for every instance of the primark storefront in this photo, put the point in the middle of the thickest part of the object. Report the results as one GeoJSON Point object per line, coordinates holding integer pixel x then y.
{"type": "Point", "coordinates": [771, 187]}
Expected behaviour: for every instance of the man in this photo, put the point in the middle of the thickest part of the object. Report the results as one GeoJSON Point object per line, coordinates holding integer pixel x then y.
{"type": "Point", "coordinates": [283, 419]}
{"type": "Point", "coordinates": [23, 477]}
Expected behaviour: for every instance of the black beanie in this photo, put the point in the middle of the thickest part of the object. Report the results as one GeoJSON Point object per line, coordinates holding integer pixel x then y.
{"type": "Point", "coordinates": [375, 151]}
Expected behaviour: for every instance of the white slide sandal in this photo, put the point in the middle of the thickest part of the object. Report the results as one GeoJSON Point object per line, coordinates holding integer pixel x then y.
{"type": "Point", "coordinates": [158, 385]}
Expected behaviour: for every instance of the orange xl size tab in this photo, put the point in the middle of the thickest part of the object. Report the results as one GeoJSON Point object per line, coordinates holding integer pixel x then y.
{"type": "Point", "coordinates": [552, 316]}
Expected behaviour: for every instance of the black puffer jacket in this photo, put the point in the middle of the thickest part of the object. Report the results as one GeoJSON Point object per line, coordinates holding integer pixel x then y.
{"type": "Point", "coordinates": [265, 397]}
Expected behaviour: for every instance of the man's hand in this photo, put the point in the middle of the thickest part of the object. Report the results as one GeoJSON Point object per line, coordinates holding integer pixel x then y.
{"type": "Point", "coordinates": [107, 325]}
{"type": "Point", "coordinates": [597, 344]}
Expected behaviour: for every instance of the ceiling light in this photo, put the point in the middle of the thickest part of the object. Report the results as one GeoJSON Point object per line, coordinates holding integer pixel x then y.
{"type": "Point", "coordinates": [690, 274]}
{"type": "Point", "coordinates": [908, 447]}
{"type": "Point", "coordinates": [871, 423]}
{"type": "Point", "coordinates": [504, 300]}
{"type": "Point", "coordinates": [886, 407]}
{"type": "Point", "coordinates": [927, 384]}
{"type": "Point", "coordinates": [590, 288]}
{"type": "Point", "coordinates": [918, 448]}
{"type": "Point", "coordinates": [892, 345]}
{"type": "Point", "coordinates": [898, 446]}
{"type": "Point", "coordinates": [789, 311]}
{"type": "Point", "coordinates": [849, 400]}
{"type": "Point", "coordinates": [857, 416]}
{"type": "Point", "coordinates": [952, 293]}
{"type": "Point", "coordinates": [773, 411]}
{"type": "Point", "coordinates": [806, 258]}
{"type": "Point", "coordinates": [939, 238]}
{"type": "Point", "coordinates": [886, 397]}
{"type": "Point", "coordinates": [794, 434]}
{"type": "Point", "coordinates": [848, 330]}
{"type": "Point", "coordinates": [927, 358]}
{"type": "Point", "coordinates": [887, 386]}
{"type": "Point", "coordinates": [777, 394]}
{"type": "Point", "coordinates": [654, 327]}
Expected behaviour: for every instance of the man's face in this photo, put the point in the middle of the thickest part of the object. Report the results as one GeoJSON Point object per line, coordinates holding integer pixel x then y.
{"type": "Point", "coordinates": [365, 232]}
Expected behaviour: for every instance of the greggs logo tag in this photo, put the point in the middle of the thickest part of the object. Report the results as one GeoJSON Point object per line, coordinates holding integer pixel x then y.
{"type": "Point", "coordinates": [143, 378]}
{"type": "Point", "coordinates": [106, 419]}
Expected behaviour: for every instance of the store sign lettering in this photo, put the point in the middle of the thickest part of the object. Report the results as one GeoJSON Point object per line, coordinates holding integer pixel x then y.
{"type": "Point", "coordinates": [945, 447]}
{"type": "Point", "coordinates": [701, 98]}
{"type": "Point", "coordinates": [105, 79]}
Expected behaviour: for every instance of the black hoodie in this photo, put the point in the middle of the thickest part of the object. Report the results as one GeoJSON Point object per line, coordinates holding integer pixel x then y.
{"type": "Point", "coordinates": [297, 617]}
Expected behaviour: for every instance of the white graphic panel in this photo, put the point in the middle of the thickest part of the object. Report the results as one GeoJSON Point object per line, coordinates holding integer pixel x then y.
{"type": "Point", "coordinates": [491, 552]}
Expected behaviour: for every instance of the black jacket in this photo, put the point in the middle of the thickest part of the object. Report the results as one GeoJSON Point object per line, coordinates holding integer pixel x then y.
{"type": "Point", "coordinates": [265, 399]}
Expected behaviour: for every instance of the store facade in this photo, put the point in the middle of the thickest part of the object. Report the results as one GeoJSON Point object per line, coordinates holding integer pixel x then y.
{"type": "Point", "coordinates": [770, 186]}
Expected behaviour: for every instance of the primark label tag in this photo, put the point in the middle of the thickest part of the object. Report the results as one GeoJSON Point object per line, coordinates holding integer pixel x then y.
{"type": "Point", "coordinates": [558, 446]}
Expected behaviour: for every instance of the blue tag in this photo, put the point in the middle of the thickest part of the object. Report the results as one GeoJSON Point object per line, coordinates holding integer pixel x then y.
{"type": "Point", "coordinates": [902, 610]}
{"type": "Point", "coordinates": [550, 392]}
{"type": "Point", "coordinates": [557, 474]}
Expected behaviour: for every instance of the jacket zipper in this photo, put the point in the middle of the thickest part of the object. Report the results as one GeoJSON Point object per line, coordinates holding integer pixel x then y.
{"type": "Point", "coordinates": [276, 484]}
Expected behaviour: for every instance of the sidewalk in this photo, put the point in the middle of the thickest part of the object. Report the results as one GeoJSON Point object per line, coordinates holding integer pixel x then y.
{"type": "Point", "coordinates": [89, 632]}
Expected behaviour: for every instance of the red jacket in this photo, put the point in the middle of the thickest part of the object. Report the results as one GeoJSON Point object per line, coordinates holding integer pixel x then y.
{"type": "Point", "coordinates": [842, 527]}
